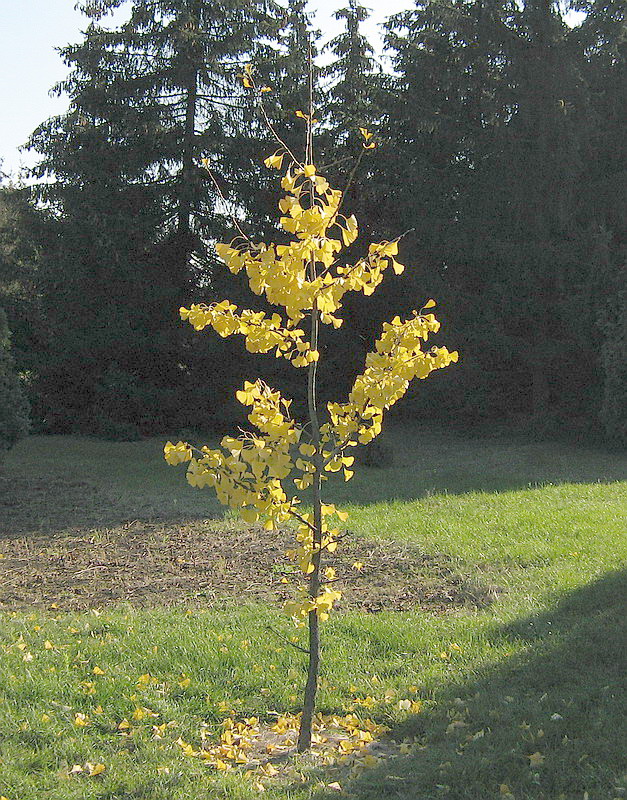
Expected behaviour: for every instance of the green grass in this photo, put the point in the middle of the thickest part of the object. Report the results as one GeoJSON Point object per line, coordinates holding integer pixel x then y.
{"type": "Point", "coordinates": [539, 671]}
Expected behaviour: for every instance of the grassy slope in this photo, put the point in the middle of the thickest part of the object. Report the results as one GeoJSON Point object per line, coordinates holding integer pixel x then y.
{"type": "Point", "coordinates": [542, 522]}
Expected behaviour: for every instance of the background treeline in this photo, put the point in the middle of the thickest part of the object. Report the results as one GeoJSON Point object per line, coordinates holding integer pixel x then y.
{"type": "Point", "coordinates": [500, 158]}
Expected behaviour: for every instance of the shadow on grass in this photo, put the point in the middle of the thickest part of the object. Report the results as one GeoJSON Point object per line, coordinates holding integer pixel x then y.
{"type": "Point", "coordinates": [55, 483]}
{"type": "Point", "coordinates": [431, 461]}
{"type": "Point", "coordinates": [561, 702]}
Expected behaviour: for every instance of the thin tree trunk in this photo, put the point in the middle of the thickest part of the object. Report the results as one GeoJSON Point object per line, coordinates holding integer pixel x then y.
{"type": "Point", "coordinates": [313, 669]}
{"type": "Point", "coordinates": [311, 687]}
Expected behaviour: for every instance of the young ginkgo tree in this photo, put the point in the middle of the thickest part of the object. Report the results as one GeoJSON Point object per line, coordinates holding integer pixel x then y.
{"type": "Point", "coordinates": [257, 473]}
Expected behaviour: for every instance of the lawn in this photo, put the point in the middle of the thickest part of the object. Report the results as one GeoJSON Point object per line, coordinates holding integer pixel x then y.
{"type": "Point", "coordinates": [135, 617]}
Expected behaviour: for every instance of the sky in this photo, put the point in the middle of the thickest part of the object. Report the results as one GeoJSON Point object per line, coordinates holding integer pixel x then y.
{"type": "Point", "coordinates": [30, 65]}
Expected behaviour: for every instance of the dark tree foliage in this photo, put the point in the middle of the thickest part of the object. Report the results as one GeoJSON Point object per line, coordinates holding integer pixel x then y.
{"type": "Point", "coordinates": [352, 100]}
{"type": "Point", "coordinates": [354, 86]}
{"type": "Point", "coordinates": [14, 409]}
{"type": "Point", "coordinates": [500, 157]}
{"type": "Point", "coordinates": [136, 208]}
{"type": "Point", "coordinates": [493, 125]}
{"type": "Point", "coordinates": [602, 197]}
{"type": "Point", "coordinates": [24, 240]}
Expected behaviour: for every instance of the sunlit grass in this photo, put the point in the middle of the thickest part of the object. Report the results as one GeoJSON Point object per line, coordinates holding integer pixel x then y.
{"type": "Point", "coordinates": [542, 524]}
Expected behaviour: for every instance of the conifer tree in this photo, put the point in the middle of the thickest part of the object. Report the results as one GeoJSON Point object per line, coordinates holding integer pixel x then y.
{"type": "Point", "coordinates": [148, 100]}
{"type": "Point", "coordinates": [353, 91]}
{"type": "Point", "coordinates": [489, 122]}
{"type": "Point", "coordinates": [14, 410]}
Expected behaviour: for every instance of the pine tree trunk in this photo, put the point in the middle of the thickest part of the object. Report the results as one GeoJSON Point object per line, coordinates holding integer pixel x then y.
{"type": "Point", "coordinates": [186, 188]}
{"type": "Point", "coordinates": [539, 390]}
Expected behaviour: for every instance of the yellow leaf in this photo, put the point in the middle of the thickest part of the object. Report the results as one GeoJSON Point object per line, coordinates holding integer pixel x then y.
{"type": "Point", "coordinates": [275, 160]}
{"type": "Point", "coordinates": [95, 769]}
{"type": "Point", "coordinates": [81, 720]}
{"type": "Point", "coordinates": [429, 304]}
{"type": "Point", "coordinates": [535, 759]}
{"type": "Point", "coordinates": [98, 671]}
{"type": "Point", "coordinates": [48, 645]}
{"type": "Point", "coordinates": [249, 515]}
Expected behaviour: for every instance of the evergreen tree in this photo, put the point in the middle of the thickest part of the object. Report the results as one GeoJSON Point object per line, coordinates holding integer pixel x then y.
{"type": "Point", "coordinates": [13, 406]}
{"type": "Point", "coordinates": [602, 197]}
{"type": "Point", "coordinates": [148, 101]}
{"type": "Point", "coordinates": [493, 112]}
{"type": "Point", "coordinates": [352, 100]}
{"type": "Point", "coordinates": [25, 237]}
{"type": "Point", "coordinates": [354, 80]}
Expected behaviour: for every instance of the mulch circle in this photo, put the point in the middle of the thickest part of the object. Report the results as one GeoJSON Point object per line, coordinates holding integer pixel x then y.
{"type": "Point", "coordinates": [149, 563]}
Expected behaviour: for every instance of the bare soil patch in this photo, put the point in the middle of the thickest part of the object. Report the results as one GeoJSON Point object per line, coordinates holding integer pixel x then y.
{"type": "Point", "coordinates": [156, 562]}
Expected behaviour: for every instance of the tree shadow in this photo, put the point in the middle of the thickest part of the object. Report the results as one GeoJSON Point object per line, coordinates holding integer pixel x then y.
{"type": "Point", "coordinates": [548, 723]}
{"type": "Point", "coordinates": [433, 460]}
{"type": "Point", "coordinates": [55, 483]}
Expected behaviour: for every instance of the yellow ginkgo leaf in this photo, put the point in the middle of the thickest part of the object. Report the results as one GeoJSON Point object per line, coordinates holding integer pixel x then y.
{"type": "Point", "coordinates": [95, 769]}
{"type": "Point", "coordinates": [275, 160]}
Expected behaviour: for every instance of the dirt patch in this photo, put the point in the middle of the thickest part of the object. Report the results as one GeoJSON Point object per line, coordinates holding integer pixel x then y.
{"type": "Point", "coordinates": [157, 563]}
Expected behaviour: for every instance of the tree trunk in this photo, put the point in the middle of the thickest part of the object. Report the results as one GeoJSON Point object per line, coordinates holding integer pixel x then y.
{"type": "Point", "coordinates": [311, 687]}
{"type": "Point", "coordinates": [186, 175]}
